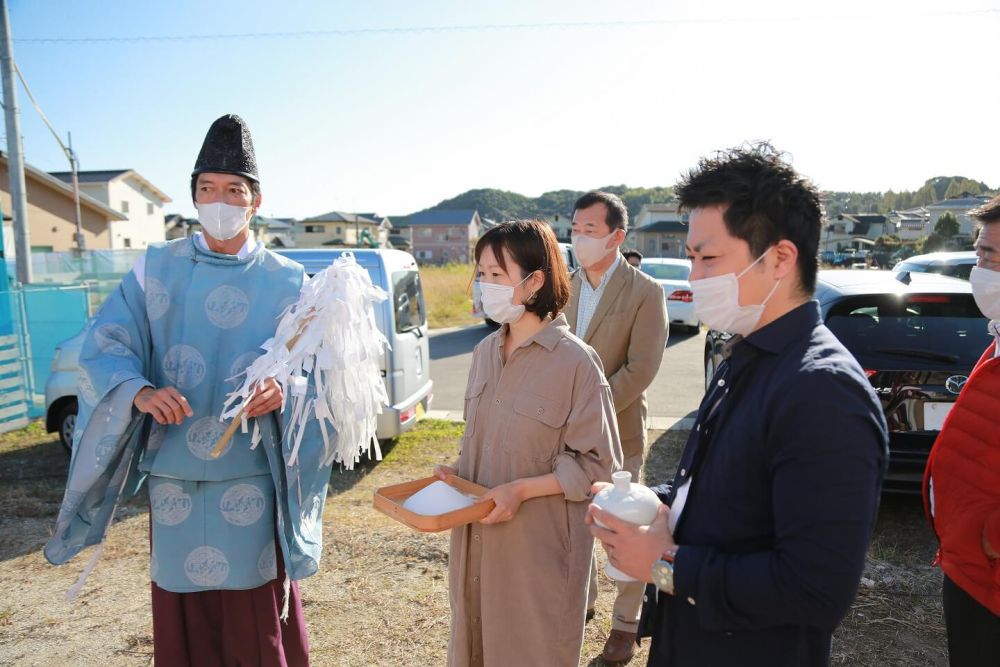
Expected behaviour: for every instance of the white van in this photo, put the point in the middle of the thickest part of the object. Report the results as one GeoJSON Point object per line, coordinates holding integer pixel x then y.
{"type": "Point", "coordinates": [402, 318]}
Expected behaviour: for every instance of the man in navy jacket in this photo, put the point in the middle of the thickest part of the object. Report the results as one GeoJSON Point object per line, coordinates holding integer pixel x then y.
{"type": "Point", "coordinates": [756, 553]}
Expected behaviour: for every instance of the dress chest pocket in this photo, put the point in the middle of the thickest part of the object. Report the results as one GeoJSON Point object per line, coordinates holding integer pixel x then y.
{"type": "Point", "coordinates": [536, 428]}
{"type": "Point", "coordinates": [473, 398]}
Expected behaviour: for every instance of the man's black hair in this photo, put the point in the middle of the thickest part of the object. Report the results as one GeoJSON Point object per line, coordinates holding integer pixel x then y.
{"type": "Point", "coordinates": [765, 202]}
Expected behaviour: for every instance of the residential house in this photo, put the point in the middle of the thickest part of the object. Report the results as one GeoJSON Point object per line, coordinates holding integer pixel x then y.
{"type": "Point", "coordinates": [960, 208]}
{"type": "Point", "coordinates": [659, 230]}
{"type": "Point", "coordinates": [176, 226]}
{"type": "Point", "coordinates": [439, 237]}
{"type": "Point", "coordinates": [666, 211]}
{"type": "Point", "coordinates": [52, 213]}
{"type": "Point", "coordinates": [128, 192]}
{"type": "Point", "coordinates": [911, 225]}
{"type": "Point", "coordinates": [338, 228]}
{"type": "Point", "coordinates": [664, 238]}
{"type": "Point", "coordinates": [561, 224]}
{"type": "Point", "coordinates": [855, 230]}
{"type": "Point", "coordinates": [274, 232]}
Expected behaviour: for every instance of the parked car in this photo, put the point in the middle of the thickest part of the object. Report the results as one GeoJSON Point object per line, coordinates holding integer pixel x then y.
{"type": "Point", "coordinates": [672, 275]}
{"type": "Point", "coordinates": [477, 301]}
{"type": "Point", "coordinates": [402, 318]}
{"type": "Point", "coordinates": [957, 264]}
{"type": "Point", "coordinates": [60, 389]}
{"type": "Point", "coordinates": [917, 342]}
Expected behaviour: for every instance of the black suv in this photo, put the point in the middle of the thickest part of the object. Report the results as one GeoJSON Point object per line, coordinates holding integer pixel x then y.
{"type": "Point", "coordinates": [917, 338]}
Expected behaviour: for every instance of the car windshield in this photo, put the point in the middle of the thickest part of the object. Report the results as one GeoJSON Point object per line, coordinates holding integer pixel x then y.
{"type": "Point", "coordinates": [408, 300]}
{"type": "Point", "coordinates": [666, 271]}
{"type": "Point", "coordinates": [912, 332]}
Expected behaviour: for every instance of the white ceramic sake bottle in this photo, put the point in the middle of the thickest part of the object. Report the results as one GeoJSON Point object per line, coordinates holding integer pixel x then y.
{"type": "Point", "coordinates": [630, 502]}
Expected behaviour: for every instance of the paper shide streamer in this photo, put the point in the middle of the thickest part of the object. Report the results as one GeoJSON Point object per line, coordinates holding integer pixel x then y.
{"type": "Point", "coordinates": [328, 341]}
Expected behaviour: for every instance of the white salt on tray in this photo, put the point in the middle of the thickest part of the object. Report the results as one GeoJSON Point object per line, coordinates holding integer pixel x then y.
{"type": "Point", "coordinates": [437, 498]}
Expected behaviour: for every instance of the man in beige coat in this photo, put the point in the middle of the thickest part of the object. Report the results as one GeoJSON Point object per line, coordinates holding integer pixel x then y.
{"type": "Point", "coordinates": [621, 313]}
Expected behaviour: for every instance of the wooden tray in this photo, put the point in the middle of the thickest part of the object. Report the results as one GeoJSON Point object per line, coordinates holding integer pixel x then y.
{"type": "Point", "coordinates": [389, 500]}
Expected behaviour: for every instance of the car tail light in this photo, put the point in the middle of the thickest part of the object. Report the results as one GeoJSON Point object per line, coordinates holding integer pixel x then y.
{"type": "Point", "coordinates": [407, 415]}
{"type": "Point", "coordinates": [870, 372]}
{"type": "Point", "coordinates": [684, 295]}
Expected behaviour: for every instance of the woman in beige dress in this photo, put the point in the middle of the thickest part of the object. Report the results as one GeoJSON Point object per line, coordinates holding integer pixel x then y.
{"type": "Point", "coordinates": [540, 430]}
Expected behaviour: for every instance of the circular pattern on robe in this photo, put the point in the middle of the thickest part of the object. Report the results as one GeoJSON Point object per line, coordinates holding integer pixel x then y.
{"type": "Point", "coordinates": [106, 449]}
{"type": "Point", "coordinates": [206, 566]}
{"type": "Point", "coordinates": [157, 299]}
{"type": "Point", "coordinates": [267, 564]}
{"type": "Point", "coordinates": [169, 504]}
{"type": "Point", "coordinates": [113, 339]}
{"type": "Point", "coordinates": [157, 433]}
{"type": "Point", "coordinates": [227, 306]}
{"type": "Point", "coordinates": [239, 366]}
{"type": "Point", "coordinates": [85, 388]}
{"type": "Point", "coordinates": [184, 366]}
{"type": "Point", "coordinates": [242, 504]}
{"type": "Point", "coordinates": [202, 436]}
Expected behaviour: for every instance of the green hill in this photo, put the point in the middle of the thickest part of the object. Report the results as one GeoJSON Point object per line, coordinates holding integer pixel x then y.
{"type": "Point", "coordinates": [503, 205]}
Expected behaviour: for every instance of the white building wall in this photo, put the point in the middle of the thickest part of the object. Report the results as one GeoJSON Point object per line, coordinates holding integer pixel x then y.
{"type": "Point", "coordinates": [145, 222]}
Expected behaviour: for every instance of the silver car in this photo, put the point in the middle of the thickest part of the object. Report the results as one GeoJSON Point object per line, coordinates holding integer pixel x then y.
{"type": "Point", "coordinates": [402, 318]}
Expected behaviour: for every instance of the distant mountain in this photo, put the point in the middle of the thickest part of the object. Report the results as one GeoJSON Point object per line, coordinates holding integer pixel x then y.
{"type": "Point", "coordinates": [503, 205]}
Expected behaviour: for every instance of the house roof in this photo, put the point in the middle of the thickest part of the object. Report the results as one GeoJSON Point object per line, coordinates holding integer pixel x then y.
{"type": "Point", "coordinates": [341, 216]}
{"type": "Point", "coordinates": [441, 217]}
{"type": "Point", "coordinates": [273, 224]}
{"type": "Point", "coordinates": [55, 184]}
{"type": "Point", "coordinates": [108, 175]}
{"type": "Point", "coordinates": [663, 207]}
{"type": "Point", "coordinates": [664, 226]}
{"type": "Point", "coordinates": [961, 202]}
{"type": "Point", "coordinates": [864, 217]}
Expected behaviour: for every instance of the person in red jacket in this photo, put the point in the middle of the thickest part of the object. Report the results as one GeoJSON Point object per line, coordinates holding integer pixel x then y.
{"type": "Point", "coordinates": [962, 480]}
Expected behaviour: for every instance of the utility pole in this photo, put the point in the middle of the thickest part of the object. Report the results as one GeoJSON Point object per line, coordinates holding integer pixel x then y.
{"type": "Point", "coordinates": [80, 245]}
{"type": "Point", "coordinates": [15, 160]}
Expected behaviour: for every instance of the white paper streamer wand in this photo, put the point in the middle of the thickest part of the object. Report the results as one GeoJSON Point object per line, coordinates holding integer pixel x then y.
{"type": "Point", "coordinates": [338, 353]}
{"type": "Point", "coordinates": [239, 419]}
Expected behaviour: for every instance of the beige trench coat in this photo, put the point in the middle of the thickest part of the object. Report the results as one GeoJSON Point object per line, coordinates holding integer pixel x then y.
{"type": "Point", "coordinates": [518, 589]}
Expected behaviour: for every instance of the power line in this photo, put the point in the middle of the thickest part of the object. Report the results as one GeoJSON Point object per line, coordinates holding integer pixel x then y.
{"type": "Point", "coordinates": [500, 27]}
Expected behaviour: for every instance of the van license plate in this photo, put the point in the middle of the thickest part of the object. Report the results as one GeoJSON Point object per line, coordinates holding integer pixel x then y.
{"type": "Point", "coordinates": [934, 414]}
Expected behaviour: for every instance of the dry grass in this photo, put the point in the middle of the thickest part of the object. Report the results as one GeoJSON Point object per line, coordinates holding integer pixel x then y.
{"type": "Point", "coordinates": [447, 293]}
{"type": "Point", "coordinates": [381, 595]}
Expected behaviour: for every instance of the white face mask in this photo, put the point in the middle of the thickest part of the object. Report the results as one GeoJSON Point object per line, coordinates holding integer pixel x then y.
{"type": "Point", "coordinates": [590, 250]}
{"type": "Point", "coordinates": [717, 302]}
{"type": "Point", "coordinates": [986, 291]}
{"type": "Point", "coordinates": [222, 221]}
{"type": "Point", "coordinates": [498, 302]}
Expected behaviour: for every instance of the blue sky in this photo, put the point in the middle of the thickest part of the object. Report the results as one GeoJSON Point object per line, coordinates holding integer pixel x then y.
{"type": "Point", "coordinates": [863, 95]}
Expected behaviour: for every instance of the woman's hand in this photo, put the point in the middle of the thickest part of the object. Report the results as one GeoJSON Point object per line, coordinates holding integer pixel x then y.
{"type": "Point", "coordinates": [508, 498]}
{"type": "Point", "coordinates": [442, 472]}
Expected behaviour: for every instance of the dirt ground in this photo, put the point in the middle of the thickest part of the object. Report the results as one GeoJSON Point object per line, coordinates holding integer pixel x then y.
{"type": "Point", "coordinates": [381, 595]}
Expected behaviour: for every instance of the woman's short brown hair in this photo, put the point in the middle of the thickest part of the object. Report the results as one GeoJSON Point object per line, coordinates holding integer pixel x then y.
{"type": "Point", "coordinates": [533, 246]}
